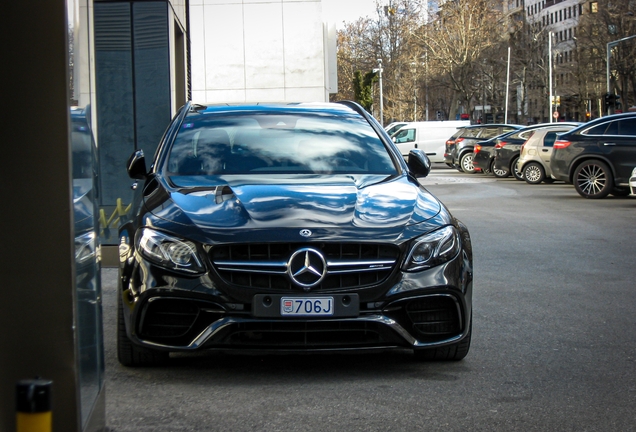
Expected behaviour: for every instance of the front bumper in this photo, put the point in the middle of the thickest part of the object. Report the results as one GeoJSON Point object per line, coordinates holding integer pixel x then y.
{"type": "Point", "coordinates": [426, 309]}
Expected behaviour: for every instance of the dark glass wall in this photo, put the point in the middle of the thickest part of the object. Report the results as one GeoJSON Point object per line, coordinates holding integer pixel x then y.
{"type": "Point", "coordinates": [132, 69]}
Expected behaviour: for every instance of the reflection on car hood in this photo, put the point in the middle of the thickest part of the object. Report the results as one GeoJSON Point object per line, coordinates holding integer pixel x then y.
{"type": "Point", "coordinates": [331, 206]}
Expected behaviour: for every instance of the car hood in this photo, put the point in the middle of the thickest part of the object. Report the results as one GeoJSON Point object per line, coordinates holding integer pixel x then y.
{"type": "Point", "coordinates": [276, 208]}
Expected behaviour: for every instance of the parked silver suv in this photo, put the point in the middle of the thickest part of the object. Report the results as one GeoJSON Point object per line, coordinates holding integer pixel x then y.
{"type": "Point", "coordinates": [534, 160]}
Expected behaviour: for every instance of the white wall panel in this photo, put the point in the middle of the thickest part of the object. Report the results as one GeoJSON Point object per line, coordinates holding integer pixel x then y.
{"type": "Point", "coordinates": [224, 47]}
{"type": "Point", "coordinates": [305, 94]}
{"type": "Point", "coordinates": [197, 48]}
{"type": "Point", "coordinates": [304, 54]}
{"type": "Point", "coordinates": [224, 95]}
{"type": "Point", "coordinates": [264, 50]}
{"type": "Point", "coordinates": [258, 50]}
{"type": "Point", "coordinates": [265, 95]}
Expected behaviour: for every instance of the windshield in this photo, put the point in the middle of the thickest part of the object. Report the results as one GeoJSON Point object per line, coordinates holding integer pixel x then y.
{"type": "Point", "coordinates": [245, 142]}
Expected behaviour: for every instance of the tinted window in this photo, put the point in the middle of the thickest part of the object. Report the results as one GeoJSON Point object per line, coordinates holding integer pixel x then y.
{"type": "Point", "coordinates": [405, 135]}
{"type": "Point", "coordinates": [247, 142]}
{"type": "Point", "coordinates": [524, 134]}
{"type": "Point", "coordinates": [471, 133]}
{"type": "Point", "coordinates": [597, 130]}
{"type": "Point", "coordinates": [627, 126]}
{"type": "Point", "coordinates": [460, 132]}
{"type": "Point", "coordinates": [550, 137]}
{"type": "Point", "coordinates": [394, 128]}
{"type": "Point", "coordinates": [489, 133]}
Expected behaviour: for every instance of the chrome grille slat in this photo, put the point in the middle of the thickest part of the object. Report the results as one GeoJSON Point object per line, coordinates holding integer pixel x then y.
{"type": "Point", "coordinates": [265, 265]}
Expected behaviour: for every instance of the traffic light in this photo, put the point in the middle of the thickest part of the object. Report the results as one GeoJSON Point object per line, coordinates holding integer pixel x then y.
{"type": "Point", "coordinates": [607, 100]}
{"type": "Point", "coordinates": [611, 102]}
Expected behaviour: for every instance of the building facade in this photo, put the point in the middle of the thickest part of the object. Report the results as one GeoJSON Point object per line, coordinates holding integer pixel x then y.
{"type": "Point", "coordinates": [261, 51]}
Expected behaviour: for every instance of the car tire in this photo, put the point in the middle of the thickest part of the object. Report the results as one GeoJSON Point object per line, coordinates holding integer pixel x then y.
{"type": "Point", "coordinates": [518, 175]}
{"type": "Point", "coordinates": [497, 172]}
{"type": "Point", "coordinates": [130, 354]}
{"type": "Point", "coordinates": [620, 192]}
{"type": "Point", "coordinates": [453, 352]}
{"type": "Point", "coordinates": [533, 173]}
{"type": "Point", "coordinates": [466, 163]}
{"type": "Point", "coordinates": [487, 170]}
{"type": "Point", "coordinates": [593, 179]}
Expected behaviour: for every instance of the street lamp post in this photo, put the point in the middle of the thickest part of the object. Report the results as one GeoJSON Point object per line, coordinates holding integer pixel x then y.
{"type": "Point", "coordinates": [378, 70]}
{"type": "Point", "coordinates": [414, 72]}
{"type": "Point", "coordinates": [550, 69]}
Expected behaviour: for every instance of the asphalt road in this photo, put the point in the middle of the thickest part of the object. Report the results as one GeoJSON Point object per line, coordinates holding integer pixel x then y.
{"type": "Point", "coordinates": [554, 339]}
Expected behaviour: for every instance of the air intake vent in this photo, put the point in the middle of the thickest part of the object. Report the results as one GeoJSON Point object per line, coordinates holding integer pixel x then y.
{"type": "Point", "coordinates": [168, 318]}
{"type": "Point", "coordinates": [435, 317]}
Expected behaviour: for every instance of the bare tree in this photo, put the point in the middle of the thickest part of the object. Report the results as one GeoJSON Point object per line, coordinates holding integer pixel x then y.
{"type": "Point", "coordinates": [457, 39]}
{"type": "Point", "coordinates": [605, 22]}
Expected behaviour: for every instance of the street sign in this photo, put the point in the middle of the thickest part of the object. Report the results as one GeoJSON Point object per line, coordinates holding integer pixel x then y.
{"type": "Point", "coordinates": [555, 114]}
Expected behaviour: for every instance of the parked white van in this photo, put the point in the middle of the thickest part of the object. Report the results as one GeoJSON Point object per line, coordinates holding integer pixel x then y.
{"type": "Point", "coordinates": [429, 136]}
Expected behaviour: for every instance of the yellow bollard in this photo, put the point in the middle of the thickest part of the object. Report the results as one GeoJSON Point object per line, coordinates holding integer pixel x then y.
{"type": "Point", "coordinates": [33, 399]}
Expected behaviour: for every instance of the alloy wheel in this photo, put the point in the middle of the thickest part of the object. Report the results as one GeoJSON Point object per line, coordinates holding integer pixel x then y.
{"type": "Point", "coordinates": [498, 172]}
{"type": "Point", "coordinates": [467, 163]}
{"type": "Point", "coordinates": [515, 169]}
{"type": "Point", "coordinates": [593, 180]}
{"type": "Point", "coordinates": [533, 174]}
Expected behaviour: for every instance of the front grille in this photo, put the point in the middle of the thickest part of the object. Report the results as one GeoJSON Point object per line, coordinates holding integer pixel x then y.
{"type": "Point", "coordinates": [312, 334]}
{"type": "Point", "coordinates": [349, 265]}
{"type": "Point", "coordinates": [434, 317]}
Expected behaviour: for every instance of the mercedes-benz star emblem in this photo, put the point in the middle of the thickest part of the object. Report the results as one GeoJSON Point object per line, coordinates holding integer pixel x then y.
{"type": "Point", "coordinates": [305, 233]}
{"type": "Point", "coordinates": [307, 268]}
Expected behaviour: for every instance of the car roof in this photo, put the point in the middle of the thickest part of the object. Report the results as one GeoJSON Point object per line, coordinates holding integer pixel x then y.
{"type": "Point", "coordinates": [476, 126]}
{"type": "Point", "coordinates": [602, 120]}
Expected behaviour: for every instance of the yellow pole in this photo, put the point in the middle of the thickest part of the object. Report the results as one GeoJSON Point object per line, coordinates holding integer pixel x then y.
{"type": "Point", "coordinates": [33, 399]}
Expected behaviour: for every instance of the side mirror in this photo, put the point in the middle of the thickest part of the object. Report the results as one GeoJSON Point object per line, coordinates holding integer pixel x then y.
{"type": "Point", "coordinates": [137, 166]}
{"type": "Point", "coordinates": [418, 163]}
{"type": "Point", "coordinates": [394, 139]}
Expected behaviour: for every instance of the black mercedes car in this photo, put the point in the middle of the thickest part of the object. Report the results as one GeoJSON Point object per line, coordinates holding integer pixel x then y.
{"type": "Point", "coordinates": [597, 157]}
{"type": "Point", "coordinates": [288, 227]}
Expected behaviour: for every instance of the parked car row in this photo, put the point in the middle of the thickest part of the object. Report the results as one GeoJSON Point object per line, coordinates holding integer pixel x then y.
{"type": "Point", "coordinates": [460, 147]}
{"type": "Point", "coordinates": [597, 157]}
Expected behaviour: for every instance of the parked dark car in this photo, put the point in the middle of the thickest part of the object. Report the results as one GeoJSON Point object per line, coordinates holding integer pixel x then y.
{"type": "Point", "coordinates": [459, 147]}
{"type": "Point", "coordinates": [597, 157]}
{"type": "Point", "coordinates": [484, 157]}
{"type": "Point", "coordinates": [289, 227]}
{"type": "Point", "coordinates": [508, 148]}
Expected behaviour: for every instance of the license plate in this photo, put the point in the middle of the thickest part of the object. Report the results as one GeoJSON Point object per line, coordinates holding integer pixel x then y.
{"type": "Point", "coordinates": [306, 306]}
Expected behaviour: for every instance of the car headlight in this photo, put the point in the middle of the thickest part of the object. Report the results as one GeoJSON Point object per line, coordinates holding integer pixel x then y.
{"type": "Point", "coordinates": [433, 249]}
{"type": "Point", "coordinates": [85, 247]}
{"type": "Point", "coordinates": [169, 252]}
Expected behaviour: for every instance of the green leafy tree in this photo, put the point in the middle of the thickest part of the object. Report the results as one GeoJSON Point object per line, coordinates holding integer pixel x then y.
{"type": "Point", "coordinates": [363, 88]}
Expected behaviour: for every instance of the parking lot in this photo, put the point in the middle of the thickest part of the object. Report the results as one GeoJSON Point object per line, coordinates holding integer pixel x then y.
{"type": "Point", "coordinates": [553, 348]}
